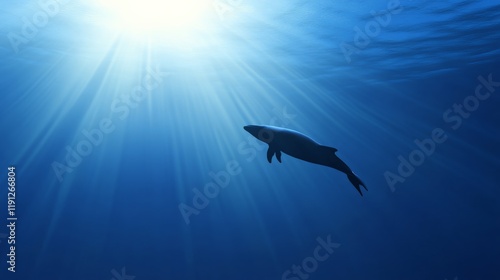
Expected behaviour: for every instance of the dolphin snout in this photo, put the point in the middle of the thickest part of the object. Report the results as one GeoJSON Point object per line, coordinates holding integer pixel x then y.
{"type": "Point", "coordinates": [253, 129]}
{"type": "Point", "coordinates": [249, 128]}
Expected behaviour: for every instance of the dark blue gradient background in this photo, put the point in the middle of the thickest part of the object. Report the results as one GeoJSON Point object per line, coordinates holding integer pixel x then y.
{"type": "Point", "coordinates": [280, 63]}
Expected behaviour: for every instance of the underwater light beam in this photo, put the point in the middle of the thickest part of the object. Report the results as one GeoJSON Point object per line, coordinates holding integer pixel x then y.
{"type": "Point", "coordinates": [137, 16]}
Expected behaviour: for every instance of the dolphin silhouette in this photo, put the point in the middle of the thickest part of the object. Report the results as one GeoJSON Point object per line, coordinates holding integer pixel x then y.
{"type": "Point", "coordinates": [300, 146]}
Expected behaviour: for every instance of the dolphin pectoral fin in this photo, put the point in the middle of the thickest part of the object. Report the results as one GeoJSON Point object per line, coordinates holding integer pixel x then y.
{"type": "Point", "coordinates": [270, 153]}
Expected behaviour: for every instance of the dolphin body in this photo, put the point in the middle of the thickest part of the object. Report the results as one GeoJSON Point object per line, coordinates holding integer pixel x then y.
{"type": "Point", "coordinates": [300, 146]}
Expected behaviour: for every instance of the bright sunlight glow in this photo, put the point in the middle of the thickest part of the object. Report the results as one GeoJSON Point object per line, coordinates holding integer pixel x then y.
{"type": "Point", "coordinates": [136, 16]}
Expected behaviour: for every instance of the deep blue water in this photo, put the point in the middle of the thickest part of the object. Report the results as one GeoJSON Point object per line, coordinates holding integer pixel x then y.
{"type": "Point", "coordinates": [112, 211]}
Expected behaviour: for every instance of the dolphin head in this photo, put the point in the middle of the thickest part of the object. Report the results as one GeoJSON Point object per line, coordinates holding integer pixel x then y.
{"type": "Point", "coordinates": [263, 133]}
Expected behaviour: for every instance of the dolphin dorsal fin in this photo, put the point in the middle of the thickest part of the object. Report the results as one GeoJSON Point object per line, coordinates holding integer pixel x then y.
{"type": "Point", "coordinates": [330, 149]}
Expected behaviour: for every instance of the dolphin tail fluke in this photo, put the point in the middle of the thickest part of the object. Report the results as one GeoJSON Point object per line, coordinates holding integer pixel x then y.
{"type": "Point", "coordinates": [356, 182]}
